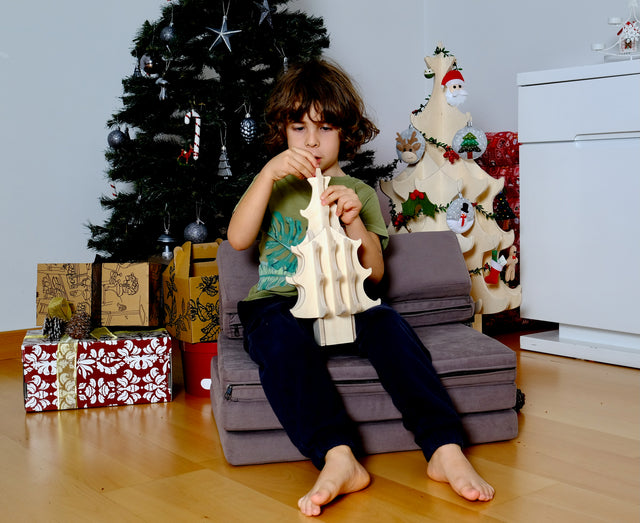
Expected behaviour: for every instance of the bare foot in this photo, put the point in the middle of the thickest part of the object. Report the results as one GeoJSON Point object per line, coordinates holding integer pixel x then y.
{"type": "Point", "coordinates": [341, 474]}
{"type": "Point", "coordinates": [448, 464]}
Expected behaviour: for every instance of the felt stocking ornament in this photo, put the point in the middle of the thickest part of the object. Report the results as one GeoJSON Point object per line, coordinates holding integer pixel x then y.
{"type": "Point", "coordinates": [495, 269]}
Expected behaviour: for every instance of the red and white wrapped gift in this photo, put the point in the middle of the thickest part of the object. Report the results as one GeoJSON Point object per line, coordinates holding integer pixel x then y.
{"type": "Point", "coordinates": [123, 368]}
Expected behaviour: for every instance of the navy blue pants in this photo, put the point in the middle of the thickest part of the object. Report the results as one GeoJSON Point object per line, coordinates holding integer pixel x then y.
{"type": "Point", "coordinates": [294, 375]}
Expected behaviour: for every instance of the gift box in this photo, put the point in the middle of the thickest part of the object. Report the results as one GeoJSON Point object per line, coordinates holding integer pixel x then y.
{"type": "Point", "coordinates": [123, 368]}
{"type": "Point", "coordinates": [131, 294]}
{"type": "Point", "coordinates": [190, 286]}
{"type": "Point", "coordinates": [196, 366]}
{"type": "Point", "coordinates": [72, 281]}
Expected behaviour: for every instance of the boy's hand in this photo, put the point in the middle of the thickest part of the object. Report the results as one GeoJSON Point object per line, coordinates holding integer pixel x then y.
{"type": "Point", "coordinates": [297, 162]}
{"type": "Point", "coordinates": [348, 205]}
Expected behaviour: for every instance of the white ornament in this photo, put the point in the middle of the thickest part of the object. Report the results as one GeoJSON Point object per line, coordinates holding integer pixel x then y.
{"type": "Point", "coordinates": [460, 215]}
{"type": "Point", "coordinates": [196, 140]}
{"type": "Point", "coordinates": [469, 142]}
{"type": "Point", "coordinates": [223, 33]}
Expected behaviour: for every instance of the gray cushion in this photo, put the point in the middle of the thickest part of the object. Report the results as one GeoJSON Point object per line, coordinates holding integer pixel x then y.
{"type": "Point", "coordinates": [477, 371]}
{"type": "Point", "coordinates": [244, 447]}
{"type": "Point", "coordinates": [426, 280]}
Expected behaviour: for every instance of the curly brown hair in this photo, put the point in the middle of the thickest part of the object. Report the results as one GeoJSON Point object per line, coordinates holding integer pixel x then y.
{"type": "Point", "coordinates": [326, 88]}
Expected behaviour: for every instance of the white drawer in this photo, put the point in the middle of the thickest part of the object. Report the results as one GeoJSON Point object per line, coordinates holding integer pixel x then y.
{"type": "Point", "coordinates": [566, 111]}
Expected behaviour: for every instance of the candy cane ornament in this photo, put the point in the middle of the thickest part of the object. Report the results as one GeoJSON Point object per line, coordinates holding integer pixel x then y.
{"type": "Point", "coordinates": [196, 140]}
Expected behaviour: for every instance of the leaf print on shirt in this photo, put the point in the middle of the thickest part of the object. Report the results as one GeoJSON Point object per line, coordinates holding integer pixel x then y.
{"type": "Point", "coordinates": [281, 262]}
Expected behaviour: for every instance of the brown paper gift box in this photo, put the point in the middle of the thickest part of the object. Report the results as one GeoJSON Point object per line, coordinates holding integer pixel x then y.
{"type": "Point", "coordinates": [190, 286]}
{"type": "Point", "coordinates": [131, 294]}
{"type": "Point", "coordinates": [72, 281]}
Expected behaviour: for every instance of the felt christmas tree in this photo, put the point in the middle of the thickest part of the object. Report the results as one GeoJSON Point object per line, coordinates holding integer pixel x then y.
{"type": "Point", "coordinates": [444, 188]}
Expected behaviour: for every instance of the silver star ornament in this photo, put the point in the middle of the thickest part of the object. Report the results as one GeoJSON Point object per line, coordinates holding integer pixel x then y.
{"type": "Point", "coordinates": [223, 34]}
{"type": "Point", "coordinates": [265, 12]}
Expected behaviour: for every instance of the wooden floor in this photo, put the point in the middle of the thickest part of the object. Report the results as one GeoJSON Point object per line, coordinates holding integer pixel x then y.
{"type": "Point", "coordinates": [577, 458]}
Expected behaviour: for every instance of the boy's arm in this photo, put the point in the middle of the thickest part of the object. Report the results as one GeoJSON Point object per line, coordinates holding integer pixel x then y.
{"type": "Point", "coordinates": [247, 218]}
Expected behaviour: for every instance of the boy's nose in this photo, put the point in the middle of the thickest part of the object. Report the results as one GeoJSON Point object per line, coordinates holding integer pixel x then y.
{"type": "Point", "coordinates": [312, 140]}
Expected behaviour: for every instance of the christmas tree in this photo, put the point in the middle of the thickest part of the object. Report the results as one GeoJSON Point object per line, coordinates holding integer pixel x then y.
{"type": "Point", "coordinates": [445, 189]}
{"type": "Point", "coordinates": [188, 139]}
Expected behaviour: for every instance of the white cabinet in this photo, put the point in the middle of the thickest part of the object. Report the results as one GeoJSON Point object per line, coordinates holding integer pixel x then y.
{"type": "Point", "coordinates": [579, 133]}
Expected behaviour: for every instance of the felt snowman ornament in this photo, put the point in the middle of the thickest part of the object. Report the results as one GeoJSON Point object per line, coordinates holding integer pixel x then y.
{"type": "Point", "coordinates": [460, 215]}
{"type": "Point", "coordinates": [453, 85]}
{"type": "Point", "coordinates": [410, 145]}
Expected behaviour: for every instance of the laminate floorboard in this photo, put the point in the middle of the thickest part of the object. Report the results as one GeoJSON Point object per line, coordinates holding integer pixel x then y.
{"type": "Point", "coordinates": [576, 459]}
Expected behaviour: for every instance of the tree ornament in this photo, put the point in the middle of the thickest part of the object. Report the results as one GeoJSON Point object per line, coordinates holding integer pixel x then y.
{"type": "Point", "coordinates": [79, 326]}
{"type": "Point", "coordinates": [469, 142]}
{"type": "Point", "coordinates": [224, 169]}
{"type": "Point", "coordinates": [495, 268]}
{"type": "Point", "coordinates": [118, 139]}
{"type": "Point", "coordinates": [418, 203]}
{"type": "Point", "coordinates": [150, 65]}
{"type": "Point", "coordinates": [168, 34]}
{"type": "Point", "coordinates": [137, 73]}
{"type": "Point", "coordinates": [185, 155]}
{"type": "Point", "coordinates": [460, 215]}
{"type": "Point", "coordinates": [196, 139]}
{"type": "Point", "coordinates": [223, 33]}
{"type": "Point", "coordinates": [512, 260]}
{"type": "Point", "coordinates": [410, 145]}
{"type": "Point", "coordinates": [265, 12]}
{"type": "Point", "coordinates": [452, 83]}
{"type": "Point", "coordinates": [248, 128]}
{"type": "Point", "coordinates": [121, 187]}
{"type": "Point", "coordinates": [285, 60]}
{"type": "Point", "coordinates": [503, 212]}
{"type": "Point", "coordinates": [166, 240]}
{"type": "Point", "coordinates": [163, 88]}
{"type": "Point", "coordinates": [196, 232]}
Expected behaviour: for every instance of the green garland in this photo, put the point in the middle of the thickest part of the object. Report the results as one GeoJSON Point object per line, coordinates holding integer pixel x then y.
{"type": "Point", "coordinates": [418, 203]}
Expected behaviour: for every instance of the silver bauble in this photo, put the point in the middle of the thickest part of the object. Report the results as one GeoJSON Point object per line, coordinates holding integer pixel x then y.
{"type": "Point", "coordinates": [196, 232]}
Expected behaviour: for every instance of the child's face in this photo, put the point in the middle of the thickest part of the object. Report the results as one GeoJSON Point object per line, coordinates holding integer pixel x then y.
{"type": "Point", "coordinates": [317, 137]}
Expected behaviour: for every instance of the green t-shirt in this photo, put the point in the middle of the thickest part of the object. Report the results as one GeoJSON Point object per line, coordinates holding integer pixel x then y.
{"type": "Point", "coordinates": [284, 226]}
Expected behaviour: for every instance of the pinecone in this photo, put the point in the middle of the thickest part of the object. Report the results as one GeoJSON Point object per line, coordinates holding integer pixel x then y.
{"type": "Point", "coordinates": [53, 328]}
{"type": "Point", "coordinates": [79, 326]}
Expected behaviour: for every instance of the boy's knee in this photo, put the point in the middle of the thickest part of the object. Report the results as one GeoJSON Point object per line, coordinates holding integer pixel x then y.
{"type": "Point", "coordinates": [381, 316]}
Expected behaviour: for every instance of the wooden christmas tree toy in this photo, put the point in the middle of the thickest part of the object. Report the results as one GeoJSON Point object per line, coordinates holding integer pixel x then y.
{"type": "Point", "coordinates": [330, 278]}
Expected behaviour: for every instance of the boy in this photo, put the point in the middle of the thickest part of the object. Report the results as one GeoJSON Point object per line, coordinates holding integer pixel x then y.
{"type": "Point", "coordinates": [316, 118]}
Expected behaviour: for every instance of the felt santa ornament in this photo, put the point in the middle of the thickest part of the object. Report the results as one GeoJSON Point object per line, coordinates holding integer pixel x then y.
{"type": "Point", "coordinates": [452, 83]}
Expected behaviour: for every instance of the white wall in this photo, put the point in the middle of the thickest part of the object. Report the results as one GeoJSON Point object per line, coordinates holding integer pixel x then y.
{"type": "Point", "coordinates": [62, 64]}
{"type": "Point", "coordinates": [494, 40]}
